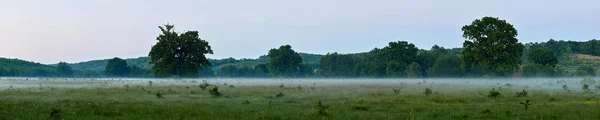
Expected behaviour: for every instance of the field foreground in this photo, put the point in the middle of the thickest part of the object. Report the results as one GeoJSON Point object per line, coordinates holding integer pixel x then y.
{"type": "Point", "coordinates": [43, 98]}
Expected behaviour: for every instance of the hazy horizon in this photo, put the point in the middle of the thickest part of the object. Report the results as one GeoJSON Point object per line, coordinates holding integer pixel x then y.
{"type": "Point", "coordinates": [77, 31]}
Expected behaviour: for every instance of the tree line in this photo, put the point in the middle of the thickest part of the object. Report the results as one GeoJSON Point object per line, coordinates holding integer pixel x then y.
{"type": "Point", "coordinates": [490, 49]}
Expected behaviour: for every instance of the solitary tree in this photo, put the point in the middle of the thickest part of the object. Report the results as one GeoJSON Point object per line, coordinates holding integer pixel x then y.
{"type": "Point", "coordinates": [116, 67]}
{"type": "Point", "coordinates": [64, 70]}
{"type": "Point", "coordinates": [181, 55]}
{"type": "Point", "coordinates": [284, 61]}
{"type": "Point", "coordinates": [491, 45]}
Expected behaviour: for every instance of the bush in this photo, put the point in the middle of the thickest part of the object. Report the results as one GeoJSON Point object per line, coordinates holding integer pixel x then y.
{"type": "Point", "coordinates": [55, 113]}
{"type": "Point", "coordinates": [215, 92]}
{"type": "Point", "coordinates": [159, 95]}
{"type": "Point", "coordinates": [526, 103]}
{"type": "Point", "coordinates": [428, 91]}
{"type": "Point", "coordinates": [280, 94]}
{"type": "Point", "coordinates": [493, 93]}
{"type": "Point", "coordinates": [322, 108]}
{"type": "Point", "coordinates": [204, 85]}
{"type": "Point", "coordinates": [396, 90]}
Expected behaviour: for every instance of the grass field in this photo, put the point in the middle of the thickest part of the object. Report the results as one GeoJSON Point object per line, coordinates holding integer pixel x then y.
{"type": "Point", "coordinates": [309, 99]}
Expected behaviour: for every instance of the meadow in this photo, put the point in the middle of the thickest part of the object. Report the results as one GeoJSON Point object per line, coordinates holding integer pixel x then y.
{"type": "Point", "coordinates": [108, 98]}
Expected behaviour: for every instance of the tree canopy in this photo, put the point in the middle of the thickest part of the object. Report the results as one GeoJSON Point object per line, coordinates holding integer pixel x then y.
{"type": "Point", "coordinates": [181, 55]}
{"type": "Point", "coordinates": [397, 56]}
{"type": "Point", "coordinates": [337, 65]}
{"type": "Point", "coordinates": [446, 66]}
{"type": "Point", "coordinates": [284, 61]}
{"type": "Point", "coordinates": [543, 56]}
{"type": "Point", "coordinates": [64, 70]}
{"type": "Point", "coordinates": [117, 67]}
{"type": "Point", "coordinates": [491, 44]}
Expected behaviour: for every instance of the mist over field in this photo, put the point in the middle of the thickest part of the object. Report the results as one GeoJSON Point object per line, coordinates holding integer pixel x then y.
{"type": "Point", "coordinates": [441, 84]}
{"type": "Point", "coordinates": [299, 60]}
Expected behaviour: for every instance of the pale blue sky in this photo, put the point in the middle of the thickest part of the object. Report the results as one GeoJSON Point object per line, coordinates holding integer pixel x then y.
{"type": "Point", "coordinates": [49, 31]}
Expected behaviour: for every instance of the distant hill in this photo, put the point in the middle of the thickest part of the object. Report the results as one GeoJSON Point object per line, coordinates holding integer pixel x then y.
{"type": "Point", "coordinates": [17, 67]}
{"type": "Point", "coordinates": [99, 65]}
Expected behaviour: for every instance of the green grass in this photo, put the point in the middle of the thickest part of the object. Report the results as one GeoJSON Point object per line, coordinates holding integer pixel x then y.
{"type": "Point", "coordinates": [260, 102]}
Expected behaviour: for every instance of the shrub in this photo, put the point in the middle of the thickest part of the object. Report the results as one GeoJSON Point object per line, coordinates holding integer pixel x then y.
{"type": "Point", "coordinates": [246, 102]}
{"type": "Point", "coordinates": [204, 85]}
{"type": "Point", "coordinates": [159, 95]}
{"type": "Point", "coordinates": [280, 94]}
{"type": "Point", "coordinates": [281, 86]}
{"type": "Point", "coordinates": [55, 113]}
{"type": "Point", "coordinates": [493, 93]}
{"type": "Point", "coordinates": [360, 108]}
{"type": "Point", "coordinates": [526, 103]}
{"type": "Point", "coordinates": [322, 108]}
{"type": "Point", "coordinates": [215, 92]}
{"type": "Point", "coordinates": [428, 91]}
{"type": "Point", "coordinates": [396, 90]}
{"type": "Point", "coordinates": [486, 111]}
{"type": "Point", "coordinates": [522, 94]}
{"type": "Point", "coordinates": [299, 87]}
{"type": "Point", "coordinates": [586, 87]}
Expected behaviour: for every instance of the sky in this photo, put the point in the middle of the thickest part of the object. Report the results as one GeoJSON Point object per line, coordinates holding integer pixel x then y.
{"type": "Point", "coordinates": [50, 31]}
